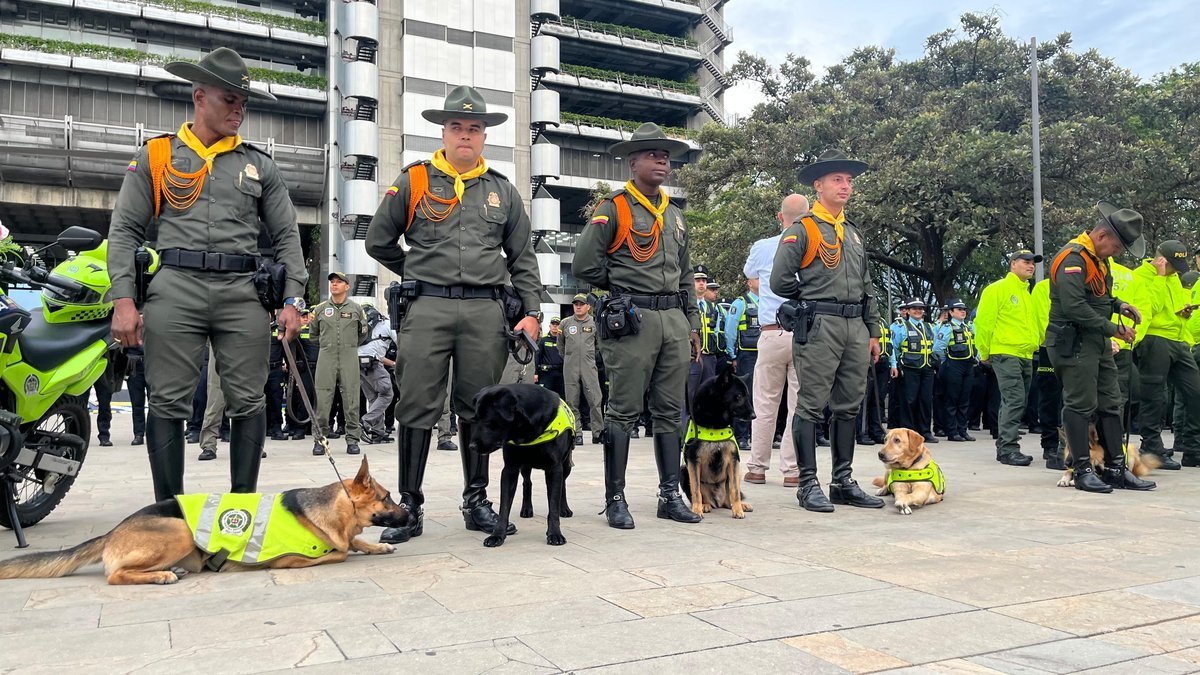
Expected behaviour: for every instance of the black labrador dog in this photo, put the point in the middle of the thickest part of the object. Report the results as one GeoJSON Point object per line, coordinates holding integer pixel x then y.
{"type": "Point", "coordinates": [537, 431]}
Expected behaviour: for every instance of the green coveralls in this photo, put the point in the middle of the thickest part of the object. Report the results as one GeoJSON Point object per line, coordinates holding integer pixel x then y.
{"type": "Point", "coordinates": [577, 344]}
{"type": "Point", "coordinates": [339, 330]}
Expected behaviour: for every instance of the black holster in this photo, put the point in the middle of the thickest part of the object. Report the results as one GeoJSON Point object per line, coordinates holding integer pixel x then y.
{"type": "Point", "coordinates": [399, 297]}
{"type": "Point", "coordinates": [796, 316]}
{"type": "Point", "coordinates": [269, 280]}
{"type": "Point", "coordinates": [142, 275]}
{"type": "Point", "coordinates": [618, 318]}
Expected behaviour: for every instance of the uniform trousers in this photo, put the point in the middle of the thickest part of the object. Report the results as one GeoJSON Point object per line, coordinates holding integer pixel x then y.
{"type": "Point", "coordinates": [774, 371]}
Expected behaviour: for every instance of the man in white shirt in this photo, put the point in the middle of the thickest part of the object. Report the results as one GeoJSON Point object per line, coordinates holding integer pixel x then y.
{"type": "Point", "coordinates": [774, 366]}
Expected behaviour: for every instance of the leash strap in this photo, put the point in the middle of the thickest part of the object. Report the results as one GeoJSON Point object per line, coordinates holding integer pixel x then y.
{"type": "Point", "coordinates": [318, 432]}
{"type": "Point", "coordinates": [522, 347]}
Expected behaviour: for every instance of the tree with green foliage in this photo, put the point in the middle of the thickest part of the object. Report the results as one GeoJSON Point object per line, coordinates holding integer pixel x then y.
{"type": "Point", "coordinates": [948, 140]}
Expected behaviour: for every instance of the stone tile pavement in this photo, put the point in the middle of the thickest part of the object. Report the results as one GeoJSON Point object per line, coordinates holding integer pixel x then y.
{"type": "Point", "coordinates": [1010, 574]}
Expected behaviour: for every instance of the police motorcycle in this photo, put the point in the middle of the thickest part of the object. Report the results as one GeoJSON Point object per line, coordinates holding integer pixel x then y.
{"type": "Point", "coordinates": [48, 362]}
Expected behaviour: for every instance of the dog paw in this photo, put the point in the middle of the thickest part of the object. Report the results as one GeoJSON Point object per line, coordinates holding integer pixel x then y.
{"type": "Point", "coordinates": [566, 512]}
{"type": "Point", "coordinates": [493, 541]}
{"type": "Point", "coordinates": [384, 549]}
{"type": "Point", "coordinates": [179, 572]}
{"type": "Point", "coordinates": [1065, 482]}
{"type": "Point", "coordinates": [165, 578]}
{"type": "Point", "coordinates": [905, 509]}
{"type": "Point", "coordinates": [746, 507]}
{"type": "Point", "coordinates": [555, 539]}
{"type": "Point", "coordinates": [882, 492]}
{"type": "Point", "coordinates": [527, 512]}
{"type": "Point", "coordinates": [699, 510]}
{"type": "Point", "coordinates": [738, 513]}
{"type": "Point", "coordinates": [707, 508]}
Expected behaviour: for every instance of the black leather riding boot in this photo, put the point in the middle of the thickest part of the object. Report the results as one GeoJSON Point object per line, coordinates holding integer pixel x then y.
{"type": "Point", "coordinates": [809, 494]}
{"type": "Point", "coordinates": [413, 445]}
{"type": "Point", "coordinates": [1116, 472]}
{"type": "Point", "coordinates": [616, 458]}
{"type": "Point", "coordinates": [164, 445]}
{"type": "Point", "coordinates": [1075, 426]}
{"type": "Point", "coordinates": [843, 489]}
{"type": "Point", "coordinates": [476, 509]}
{"type": "Point", "coordinates": [667, 452]}
{"type": "Point", "coordinates": [246, 439]}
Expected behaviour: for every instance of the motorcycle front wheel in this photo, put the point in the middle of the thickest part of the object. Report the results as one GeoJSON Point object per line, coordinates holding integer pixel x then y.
{"type": "Point", "coordinates": [68, 415]}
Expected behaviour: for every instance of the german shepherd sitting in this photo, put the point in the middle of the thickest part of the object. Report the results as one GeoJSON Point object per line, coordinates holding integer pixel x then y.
{"type": "Point", "coordinates": [537, 431]}
{"type": "Point", "coordinates": [156, 545]}
{"type": "Point", "coordinates": [710, 453]}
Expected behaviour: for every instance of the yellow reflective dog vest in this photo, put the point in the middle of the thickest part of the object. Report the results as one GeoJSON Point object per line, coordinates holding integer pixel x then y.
{"type": "Point", "coordinates": [564, 420]}
{"type": "Point", "coordinates": [709, 435]}
{"type": "Point", "coordinates": [248, 528]}
{"type": "Point", "coordinates": [931, 473]}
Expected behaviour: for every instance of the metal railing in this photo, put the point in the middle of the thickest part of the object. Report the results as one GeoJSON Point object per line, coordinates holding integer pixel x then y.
{"type": "Point", "coordinates": [593, 27]}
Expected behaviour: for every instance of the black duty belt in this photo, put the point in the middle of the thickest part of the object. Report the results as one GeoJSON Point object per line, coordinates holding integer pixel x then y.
{"type": "Point", "coordinates": [209, 261]}
{"type": "Point", "coordinates": [656, 302]}
{"type": "Point", "coordinates": [846, 311]}
{"type": "Point", "coordinates": [458, 292]}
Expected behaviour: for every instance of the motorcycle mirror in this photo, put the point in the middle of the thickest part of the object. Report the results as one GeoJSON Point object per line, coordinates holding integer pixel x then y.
{"type": "Point", "coordinates": [78, 238]}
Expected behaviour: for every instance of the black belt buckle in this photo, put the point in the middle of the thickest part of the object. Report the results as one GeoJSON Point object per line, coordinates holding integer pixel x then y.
{"type": "Point", "coordinates": [455, 292]}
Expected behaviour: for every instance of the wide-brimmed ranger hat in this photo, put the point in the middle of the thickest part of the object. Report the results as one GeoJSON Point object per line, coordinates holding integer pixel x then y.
{"type": "Point", "coordinates": [649, 137]}
{"type": "Point", "coordinates": [464, 103]}
{"type": "Point", "coordinates": [832, 161]}
{"type": "Point", "coordinates": [222, 67]}
{"type": "Point", "coordinates": [1128, 224]}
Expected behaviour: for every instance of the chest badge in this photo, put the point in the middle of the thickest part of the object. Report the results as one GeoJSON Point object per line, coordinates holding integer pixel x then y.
{"type": "Point", "coordinates": [347, 315]}
{"type": "Point", "coordinates": [437, 189]}
{"type": "Point", "coordinates": [251, 171]}
{"type": "Point", "coordinates": [493, 200]}
{"type": "Point", "coordinates": [573, 330]}
{"type": "Point", "coordinates": [328, 311]}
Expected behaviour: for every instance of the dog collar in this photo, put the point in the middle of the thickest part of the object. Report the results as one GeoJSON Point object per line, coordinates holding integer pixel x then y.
{"type": "Point", "coordinates": [932, 473]}
{"type": "Point", "coordinates": [564, 420]}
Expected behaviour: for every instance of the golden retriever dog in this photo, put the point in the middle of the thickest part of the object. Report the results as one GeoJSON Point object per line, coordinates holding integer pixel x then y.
{"type": "Point", "coordinates": [912, 475]}
{"type": "Point", "coordinates": [1139, 465]}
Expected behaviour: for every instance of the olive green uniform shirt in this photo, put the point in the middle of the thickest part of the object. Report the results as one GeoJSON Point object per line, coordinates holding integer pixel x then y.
{"type": "Point", "coordinates": [338, 328]}
{"type": "Point", "coordinates": [244, 188]}
{"type": "Point", "coordinates": [667, 271]}
{"type": "Point", "coordinates": [484, 240]}
{"type": "Point", "coordinates": [1072, 300]}
{"type": "Point", "coordinates": [849, 282]}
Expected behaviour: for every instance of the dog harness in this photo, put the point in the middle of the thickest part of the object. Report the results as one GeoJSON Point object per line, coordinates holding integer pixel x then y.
{"type": "Point", "coordinates": [932, 473]}
{"type": "Point", "coordinates": [695, 432]}
{"type": "Point", "coordinates": [248, 528]}
{"type": "Point", "coordinates": [564, 420]}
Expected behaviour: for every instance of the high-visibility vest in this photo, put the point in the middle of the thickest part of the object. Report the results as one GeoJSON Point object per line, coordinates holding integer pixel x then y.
{"type": "Point", "coordinates": [710, 327]}
{"type": "Point", "coordinates": [564, 421]}
{"type": "Point", "coordinates": [885, 341]}
{"type": "Point", "coordinates": [748, 328]}
{"type": "Point", "coordinates": [962, 342]}
{"type": "Point", "coordinates": [917, 347]}
{"type": "Point", "coordinates": [249, 528]}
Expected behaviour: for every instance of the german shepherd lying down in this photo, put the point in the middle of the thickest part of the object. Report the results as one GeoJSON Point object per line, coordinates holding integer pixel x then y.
{"type": "Point", "coordinates": [1137, 464]}
{"type": "Point", "coordinates": [713, 467]}
{"type": "Point", "coordinates": [156, 546]}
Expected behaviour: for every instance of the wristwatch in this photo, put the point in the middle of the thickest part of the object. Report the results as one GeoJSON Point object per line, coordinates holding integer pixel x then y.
{"type": "Point", "coordinates": [296, 302]}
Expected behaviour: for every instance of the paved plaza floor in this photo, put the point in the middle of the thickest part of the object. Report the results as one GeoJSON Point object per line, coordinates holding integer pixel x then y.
{"type": "Point", "coordinates": [1010, 574]}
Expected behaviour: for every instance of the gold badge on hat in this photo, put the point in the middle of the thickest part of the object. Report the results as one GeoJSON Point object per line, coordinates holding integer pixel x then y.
{"type": "Point", "coordinates": [468, 106]}
{"type": "Point", "coordinates": [246, 79]}
{"type": "Point", "coordinates": [493, 200]}
{"type": "Point", "coordinates": [251, 171]}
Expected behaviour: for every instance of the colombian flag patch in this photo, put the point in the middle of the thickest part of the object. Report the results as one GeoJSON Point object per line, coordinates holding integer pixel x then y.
{"type": "Point", "coordinates": [1072, 270]}
{"type": "Point", "coordinates": [790, 239]}
{"type": "Point", "coordinates": [391, 192]}
{"type": "Point", "coordinates": [600, 220]}
{"type": "Point", "coordinates": [132, 166]}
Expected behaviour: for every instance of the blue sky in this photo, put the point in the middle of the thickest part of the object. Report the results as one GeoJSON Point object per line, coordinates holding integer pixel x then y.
{"type": "Point", "coordinates": [1147, 37]}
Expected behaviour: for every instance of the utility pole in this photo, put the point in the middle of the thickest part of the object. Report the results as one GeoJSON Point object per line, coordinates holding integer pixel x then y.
{"type": "Point", "coordinates": [1040, 272]}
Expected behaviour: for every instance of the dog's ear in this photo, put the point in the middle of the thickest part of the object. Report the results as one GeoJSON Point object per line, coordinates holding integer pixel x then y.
{"type": "Point", "coordinates": [496, 399]}
{"type": "Point", "coordinates": [364, 473]}
{"type": "Point", "coordinates": [916, 442]}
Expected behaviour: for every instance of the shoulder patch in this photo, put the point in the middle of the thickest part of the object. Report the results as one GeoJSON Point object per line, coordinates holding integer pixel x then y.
{"type": "Point", "coordinates": [391, 191]}
{"type": "Point", "coordinates": [790, 239]}
{"type": "Point", "coordinates": [600, 220]}
{"type": "Point", "coordinates": [1072, 270]}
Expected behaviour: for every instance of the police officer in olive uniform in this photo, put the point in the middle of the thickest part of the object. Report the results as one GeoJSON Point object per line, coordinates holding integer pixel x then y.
{"type": "Point", "coordinates": [467, 234]}
{"type": "Point", "coordinates": [1077, 339]}
{"type": "Point", "coordinates": [912, 368]}
{"type": "Point", "coordinates": [550, 360]}
{"type": "Point", "coordinates": [636, 246]}
{"type": "Point", "coordinates": [954, 346]}
{"type": "Point", "coordinates": [339, 326]}
{"type": "Point", "coordinates": [822, 262]}
{"type": "Point", "coordinates": [577, 344]}
{"type": "Point", "coordinates": [212, 195]}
